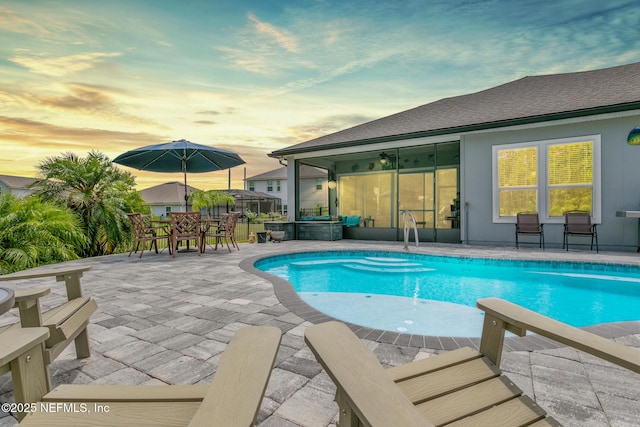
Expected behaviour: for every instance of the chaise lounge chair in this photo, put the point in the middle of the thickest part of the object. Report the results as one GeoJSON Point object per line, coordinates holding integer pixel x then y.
{"type": "Point", "coordinates": [463, 387]}
{"type": "Point", "coordinates": [232, 399]}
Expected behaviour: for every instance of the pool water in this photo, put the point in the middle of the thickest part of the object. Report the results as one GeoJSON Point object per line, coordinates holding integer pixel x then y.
{"type": "Point", "coordinates": [436, 295]}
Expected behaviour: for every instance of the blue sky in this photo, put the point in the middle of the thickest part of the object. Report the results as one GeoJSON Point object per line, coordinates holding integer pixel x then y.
{"type": "Point", "coordinates": [255, 76]}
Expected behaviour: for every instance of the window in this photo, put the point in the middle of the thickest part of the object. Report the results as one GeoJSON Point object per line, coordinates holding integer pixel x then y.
{"type": "Point", "coordinates": [278, 187]}
{"type": "Point", "coordinates": [548, 177]}
{"type": "Point", "coordinates": [319, 183]}
{"type": "Point", "coordinates": [269, 186]}
{"type": "Point", "coordinates": [252, 186]}
{"type": "Point", "coordinates": [167, 210]}
{"type": "Point", "coordinates": [368, 195]}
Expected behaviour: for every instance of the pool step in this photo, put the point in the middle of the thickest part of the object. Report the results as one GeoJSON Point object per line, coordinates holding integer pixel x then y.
{"type": "Point", "coordinates": [388, 269]}
{"type": "Point", "coordinates": [386, 262]}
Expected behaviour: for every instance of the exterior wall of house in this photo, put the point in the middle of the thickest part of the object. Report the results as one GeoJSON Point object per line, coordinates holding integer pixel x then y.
{"type": "Point", "coordinates": [620, 182]}
{"type": "Point", "coordinates": [311, 196]}
{"type": "Point", "coordinates": [261, 186]}
{"type": "Point", "coordinates": [161, 210]}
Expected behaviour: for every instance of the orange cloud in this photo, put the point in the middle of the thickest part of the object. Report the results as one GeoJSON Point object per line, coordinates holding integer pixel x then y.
{"type": "Point", "coordinates": [63, 65]}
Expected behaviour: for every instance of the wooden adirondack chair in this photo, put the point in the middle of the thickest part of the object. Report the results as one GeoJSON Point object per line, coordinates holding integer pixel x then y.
{"type": "Point", "coordinates": [232, 399]}
{"type": "Point", "coordinates": [463, 387]}
{"type": "Point", "coordinates": [66, 322]}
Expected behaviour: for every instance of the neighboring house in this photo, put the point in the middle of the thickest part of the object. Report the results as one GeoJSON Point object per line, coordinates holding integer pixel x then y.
{"type": "Point", "coordinates": [165, 198]}
{"type": "Point", "coordinates": [466, 165]}
{"type": "Point", "coordinates": [17, 185]}
{"type": "Point", "coordinates": [312, 186]}
{"type": "Point", "coordinates": [169, 197]}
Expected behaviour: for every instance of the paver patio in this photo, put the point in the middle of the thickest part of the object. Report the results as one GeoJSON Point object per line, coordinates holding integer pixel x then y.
{"type": "Point", "coordinates": [166, 321]}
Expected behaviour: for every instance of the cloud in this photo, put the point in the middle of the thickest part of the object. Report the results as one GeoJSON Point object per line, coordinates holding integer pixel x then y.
{"type": "Point", "coordinates": [40, 134]}
{"type": "Point", "coordinates": [78, 98]}
{"type": "Point", "coordinates": [63, 65]}
{"type": "Point", "coordinates": [13, 21]}
{"type": "Point", "coordinates": [282, 37]}
{"type": "Point", "coordinates": [204, 122]}
{"type": "Point", "coordinates": [326, 125]}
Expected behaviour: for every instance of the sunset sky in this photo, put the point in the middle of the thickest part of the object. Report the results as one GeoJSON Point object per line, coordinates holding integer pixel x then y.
{"type": "Point", "coordinates": [253, 76]}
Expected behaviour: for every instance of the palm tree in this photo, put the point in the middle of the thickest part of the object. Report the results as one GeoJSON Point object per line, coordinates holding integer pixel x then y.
{"type": "Point", "coordinates": [33, 232]}
{"type": "Point", "coordinates": [208, 199]}
{"type": "Point", "coordinates": [98, 192]}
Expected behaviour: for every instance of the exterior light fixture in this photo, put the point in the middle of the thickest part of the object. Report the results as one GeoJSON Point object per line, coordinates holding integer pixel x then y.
{"type": "Point", "coordinates": [332, 184]}
{"type": "Point", "coordinates": [634, 136]}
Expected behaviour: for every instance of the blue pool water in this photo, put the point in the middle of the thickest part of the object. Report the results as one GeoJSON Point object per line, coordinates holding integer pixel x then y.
{"type": "Point", "coordinates": [436, 295]}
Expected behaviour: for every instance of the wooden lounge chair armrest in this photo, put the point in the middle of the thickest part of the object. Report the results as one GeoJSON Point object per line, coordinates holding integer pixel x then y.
{"type": "Point", "coordinates": [28, 303]}
{"type": "Point", "coordinates": [70, 275]}
{"type": "Point", "coordinates": [234, 397]}
{"type": "Point", "coordinates": [502, 315]}
{"type": "Point", "coordinates": [26, 295]}
{"type": "Point", "coordinates": [363, 384]}
{"type": "Point", "coordinates": [15, 342]}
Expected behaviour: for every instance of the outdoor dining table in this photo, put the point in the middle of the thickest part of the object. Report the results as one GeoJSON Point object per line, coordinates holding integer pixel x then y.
{"type": "Point", "coordinates": [205, 225]}
{"type": "Point", "coordinates": [7, 299]}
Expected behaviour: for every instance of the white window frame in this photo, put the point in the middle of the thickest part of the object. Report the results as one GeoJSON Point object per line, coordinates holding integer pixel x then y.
{"type": "Point", "coordinates": [542, 183]}
{"type": "Point", "coordinates": [270, 186]}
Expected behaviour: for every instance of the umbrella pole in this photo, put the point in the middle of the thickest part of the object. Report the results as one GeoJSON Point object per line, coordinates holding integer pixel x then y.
{"type": "Point", "coordinates": [184, 170]}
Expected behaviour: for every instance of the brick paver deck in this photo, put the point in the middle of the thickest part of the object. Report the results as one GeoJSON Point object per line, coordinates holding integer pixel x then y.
{"type": "Point", "coordinates": [166, 321]}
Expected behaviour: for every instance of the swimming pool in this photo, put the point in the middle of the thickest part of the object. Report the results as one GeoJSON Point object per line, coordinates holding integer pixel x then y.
{"type": "Point", "coordinates": [436, 295]}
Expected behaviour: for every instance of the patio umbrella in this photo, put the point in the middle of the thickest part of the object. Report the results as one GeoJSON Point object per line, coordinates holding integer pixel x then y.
{"type": "Point", "coordinates": [179, 156]}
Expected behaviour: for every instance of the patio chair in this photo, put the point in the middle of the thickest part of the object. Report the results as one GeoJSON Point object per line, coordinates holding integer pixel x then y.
{"type": "Point", "coordinates": [143, 233]}
{"type": "Point", "coordinates": [226, 231]}
{"type": "Point", "coordinates": [185, 226]}
{"type": "Point", "coordinates": [232, 399]}
{"type": "Point", "coordinates": [66, 322]}
{"type": "Point", "coordinates": [528, 223]}
{"type": "Point", "coordinates": [578, 223]}
{"type": "Point", "coordinates": [463, 386]}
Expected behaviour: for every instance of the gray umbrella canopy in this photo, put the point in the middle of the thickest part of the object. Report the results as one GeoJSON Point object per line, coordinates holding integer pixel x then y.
{"type": "Point", "coordinates": [179, 156]}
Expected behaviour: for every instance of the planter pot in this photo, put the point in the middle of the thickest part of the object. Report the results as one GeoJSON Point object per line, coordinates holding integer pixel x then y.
{"type": "Point", "coordinates": [277, 236]}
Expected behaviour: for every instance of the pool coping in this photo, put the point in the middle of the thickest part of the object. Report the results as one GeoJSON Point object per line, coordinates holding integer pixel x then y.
{"type": "Point", "coordinates": [286, 294]}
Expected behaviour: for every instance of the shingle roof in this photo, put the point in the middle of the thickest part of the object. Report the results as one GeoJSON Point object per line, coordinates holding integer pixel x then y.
{"type": "Point", "coordinates": [306, 171]}
{"type": "Point", "coordinates": [17, 182]}
{"type": "Point", "coordinates": [169, 193]}
{"type": "Point", "coordinates": [527, 100]}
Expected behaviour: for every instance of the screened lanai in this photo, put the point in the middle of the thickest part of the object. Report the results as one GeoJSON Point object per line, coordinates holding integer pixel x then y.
{"type": "Point", "coordinates": [378, 185]}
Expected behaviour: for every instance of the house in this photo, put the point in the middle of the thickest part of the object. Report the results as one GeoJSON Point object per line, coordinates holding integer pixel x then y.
{"type": "Point", "coordinates": [312, 186]}
{"type": "Point", "coordinates": [16, 185]}
{"type": "Point", "coordinates": [165, 198]}
{"type": "Point", "coordinates": [169, 197]}
{"type": "Point", "coordinates": [464, 166]}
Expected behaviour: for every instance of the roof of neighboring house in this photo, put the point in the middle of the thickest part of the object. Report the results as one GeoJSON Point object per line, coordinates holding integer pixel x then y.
{"type": "Point", "coordinates": [306, 171]}
{"type": "Point", "coordinates": [527, 100]}
{"type": "Point", "coordinates": [169, 193]}
{"type": "Point", "coordinates": [17, 182]}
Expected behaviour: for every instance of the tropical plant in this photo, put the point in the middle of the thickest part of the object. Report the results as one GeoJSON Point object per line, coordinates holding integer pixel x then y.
{"type": "Point", "coordinates": [99, 193]}
{"type": "Point", "coordinates": [34, 232]}
{"type": "Point", "coordinates": [251, 216]}
{"type": "Point", "coordinates": [208, 199]}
